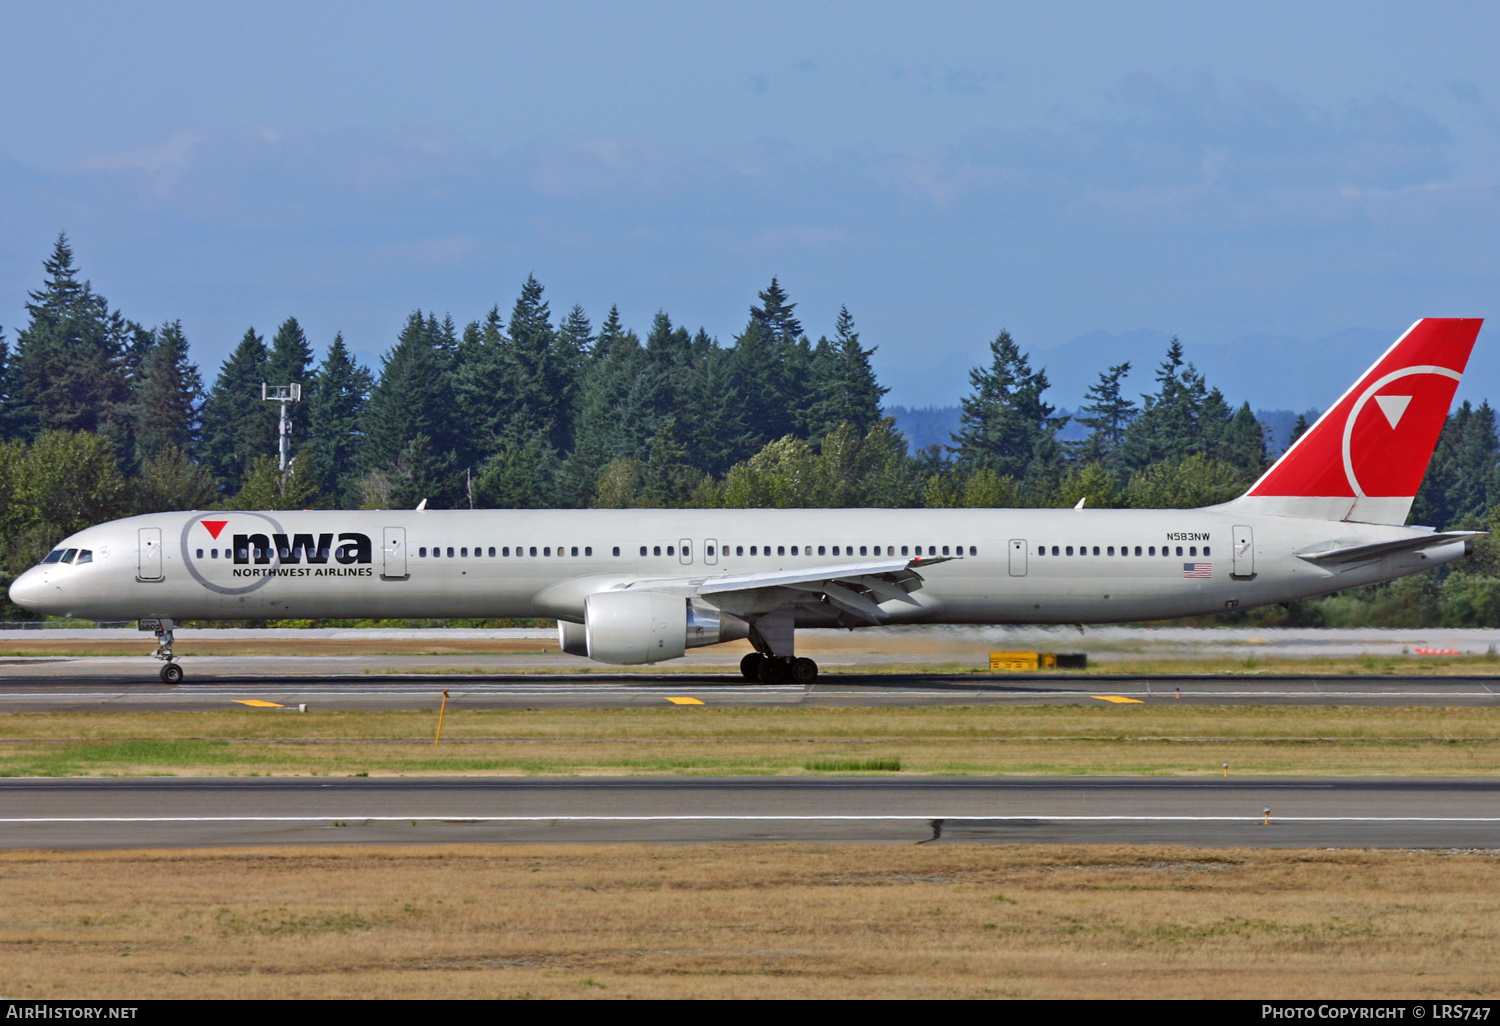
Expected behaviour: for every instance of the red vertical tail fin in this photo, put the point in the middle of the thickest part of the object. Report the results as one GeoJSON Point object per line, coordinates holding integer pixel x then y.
{"type": "Point", "coordinates": [1365, 457]}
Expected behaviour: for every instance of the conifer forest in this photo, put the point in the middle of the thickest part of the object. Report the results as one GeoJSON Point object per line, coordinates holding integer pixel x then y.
{"type": "Point", "coordinates": [103, 417]}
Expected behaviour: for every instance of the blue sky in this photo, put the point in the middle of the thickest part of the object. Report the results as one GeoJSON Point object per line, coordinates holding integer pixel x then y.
{"type": "Point", "coordinates": [1231, 174]}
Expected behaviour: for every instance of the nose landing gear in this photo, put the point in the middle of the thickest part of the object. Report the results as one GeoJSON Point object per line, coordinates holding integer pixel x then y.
{"type": "Point", "coordinates": [171, 673]}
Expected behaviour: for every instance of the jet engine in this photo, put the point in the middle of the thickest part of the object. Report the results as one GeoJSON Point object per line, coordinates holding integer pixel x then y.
{"type": "Point", "coordinates": [633, 627]}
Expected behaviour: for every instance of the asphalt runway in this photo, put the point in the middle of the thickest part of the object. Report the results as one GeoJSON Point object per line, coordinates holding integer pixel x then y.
{"type": "Point", "coordinates": [60, 690]}
{"type": "Point", "coordinates": [1327, 813]}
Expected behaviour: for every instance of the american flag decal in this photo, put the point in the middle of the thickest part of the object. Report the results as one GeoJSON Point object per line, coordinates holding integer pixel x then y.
{"type": "Point", "coordinates": [1202, 571]}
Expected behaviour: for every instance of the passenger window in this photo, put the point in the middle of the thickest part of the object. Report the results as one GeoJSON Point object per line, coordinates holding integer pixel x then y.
{"type": "Point", "coordinates": [532, 550]}
{"type": "Point", "coordinates": [573, 551]}
{"type": "Point", "coordinates": [835, 550]}
{"type": "Point", "coordinates": [617, 550]}
{"type": "Point", "coordinates": [973, 551]}
{"type": "Point", "coordinates": [656, 551]}
{"type": "Point", "coordinates": [781, 550]}
{"type": "Point", "coordinates": [862, 550]}
{"type": "Point", "coordinates": [53, 556]}
{"type": "Point", "coordinates": [200, 553]}
{"type": "Point", "coordinates": [87, 556]}
{"type": "Point", "coordinates": [1054, 550]}
{"type": "Point", "coordinates": [670, 551]}
{"type": "Point", "coordinates": [1070, 550]}
{"type": "Point", "coordinates": [1137, 550]}
{"type": "Point", "coordinates": [1205, 550]}
{"type": "Point", "coordinates": [739, 550]}
{"type": "Point", "coordinates": [1110, 551]}
{"type": "Point", "coordinates": [546, 550]}
{"type": "Point", "coordinates": [422, 552]}
{"type": "Point", "coordinates": [464, 552]}
{"type": "Point", "coordinates": [1151, 551]}
{"type": "Point", "coordinates": [945, 550]}
{"type": "Point", "coordinates": [1179, 550]}
{"type": "Point", "coordinates": [588, 550]}
{"type": "Point", "coordinates": [1096, 550]}
{"type": "Point", "coordinates": [213, 553]}
{"type": "Point", "coordinates": [643, 550]}
{"type": "Point", "coordinates": [822, 550]}
{"type": "Point", "coordinates": [1193, 550]}
{"type": "Point", "coordinates": [794, 550]}
{"type": "Point", "coordinates": [932, 550]}
{"type": "Point", "coordinates": [1041, 550]}
{"type": "Point", "coordinates": [710, 550]}
{"type": "Point", "coordinates": [752, 550]}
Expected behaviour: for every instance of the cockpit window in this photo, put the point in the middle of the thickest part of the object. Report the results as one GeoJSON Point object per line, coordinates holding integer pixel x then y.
{"type": "Point", "coordinates": [68, 556]}
{"type": "Point", "coordinates": [53, 556]}
{"type": "Point", "coordinates": [84, 556]}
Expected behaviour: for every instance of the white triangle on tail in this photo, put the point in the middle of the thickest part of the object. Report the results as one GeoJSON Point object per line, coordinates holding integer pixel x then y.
{"type": "Point", "coordinates": [1393, 406]}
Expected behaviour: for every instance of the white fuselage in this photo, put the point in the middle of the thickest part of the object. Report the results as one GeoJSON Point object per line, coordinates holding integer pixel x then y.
{"type": "Point", "coordinates": [1124, 564]}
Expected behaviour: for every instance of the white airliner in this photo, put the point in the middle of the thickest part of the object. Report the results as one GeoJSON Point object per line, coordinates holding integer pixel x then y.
{"type": "Point", "coordinates": [642, 586]}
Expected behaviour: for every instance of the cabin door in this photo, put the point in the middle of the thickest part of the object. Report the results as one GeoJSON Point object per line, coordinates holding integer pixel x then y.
{"type": "Point", "coordinates": [149, 567]}
{"type": "Point", "coordinates": [393, 550]}
{"type": "Point", "coordinates": [1018, 557]}
{"type": "Point", "coordinates": [1244, 552]}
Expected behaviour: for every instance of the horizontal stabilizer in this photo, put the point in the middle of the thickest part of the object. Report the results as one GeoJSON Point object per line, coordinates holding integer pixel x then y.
{"type": "Point", "coordinates": [1339, 555]}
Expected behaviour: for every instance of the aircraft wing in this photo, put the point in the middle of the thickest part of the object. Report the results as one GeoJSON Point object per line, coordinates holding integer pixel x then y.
{"type": "Point", "coordinates": [1341, 555]}
{"type": "Point", "coordinates": [855, 588]}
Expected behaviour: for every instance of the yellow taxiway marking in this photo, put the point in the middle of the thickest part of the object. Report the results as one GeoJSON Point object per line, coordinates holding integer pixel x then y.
{"type": "Point", "coordinates": [260, 703]}
{"type": "Point", "coordinates": [1118, 699]}
{"type": "Point", "coordinates": [684, 701]}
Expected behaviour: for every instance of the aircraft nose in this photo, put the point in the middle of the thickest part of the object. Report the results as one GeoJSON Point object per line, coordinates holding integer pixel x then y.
{"type": "Point", "coordinates": [26, 590]}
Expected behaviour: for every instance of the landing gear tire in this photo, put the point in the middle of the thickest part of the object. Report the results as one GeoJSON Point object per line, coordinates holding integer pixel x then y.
{"type": "Point", "coordinates": [750, 666]}
{"type": "Point", "coordinates": [773, 671]}
{"type": "Point", "coordinates": [804, 671]}
{"type": "Point", "coordinates": [171, 674]}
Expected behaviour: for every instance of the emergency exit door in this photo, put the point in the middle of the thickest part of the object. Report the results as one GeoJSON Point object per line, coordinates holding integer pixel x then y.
{"type": "Point", "coordinates": [1018, 557]}
{"type": "Point", "coordinates": [393, 549]}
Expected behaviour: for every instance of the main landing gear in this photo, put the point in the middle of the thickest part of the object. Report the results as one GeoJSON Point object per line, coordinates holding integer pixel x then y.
{"type": "Point", "coordinates": [171, 673]}
{"type": "Point", "coordinates": [776, 670]}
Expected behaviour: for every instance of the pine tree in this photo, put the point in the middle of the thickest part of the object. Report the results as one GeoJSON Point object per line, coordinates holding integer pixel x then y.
{"type": "Point", "coordinates": [1168, 427]}
{"type": "Point", "coordinates": [845, 388]}
{"type": "Point", "coordinates": [238, 426]}
{"type": "Point", "coordinates": [1110, 413]}
{"type": "Point", "coordinates": [69, 371]}
{"type": "Point", "coordinates": [1005, 423]}
{"type": "Point", "coordinates": [166, 393]}
{"type": "Point", "coordinates": [413, 397]}
{"type": "Point", "coordinates": [10, 420]}
{"type": "Point", "coordinates": [335, 398]}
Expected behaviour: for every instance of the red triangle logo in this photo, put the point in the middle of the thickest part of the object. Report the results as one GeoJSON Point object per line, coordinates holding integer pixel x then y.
{"type": "Point", "coordinates": [214, 527]}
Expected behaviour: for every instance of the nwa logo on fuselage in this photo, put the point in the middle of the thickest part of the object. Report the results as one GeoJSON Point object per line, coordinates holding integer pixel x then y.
{"type": "Point", "coordinates": [291, 549]}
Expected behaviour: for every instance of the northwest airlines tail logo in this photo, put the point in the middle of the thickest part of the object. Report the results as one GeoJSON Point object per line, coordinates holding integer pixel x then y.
{"type": "Point", "coordinates": [1377, 439]}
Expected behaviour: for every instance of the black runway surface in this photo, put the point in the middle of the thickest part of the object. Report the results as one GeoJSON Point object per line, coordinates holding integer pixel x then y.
{"type": "Point", "coordinates": [1331, 812]}
{"type": "Point", "coordinates": [597, 690]}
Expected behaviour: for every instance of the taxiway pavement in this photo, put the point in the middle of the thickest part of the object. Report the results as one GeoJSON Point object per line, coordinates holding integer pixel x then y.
{"type": "Point", "coordinates": [1332, 812]}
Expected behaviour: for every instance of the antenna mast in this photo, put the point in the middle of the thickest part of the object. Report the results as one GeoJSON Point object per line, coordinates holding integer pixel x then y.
{"type": "Point", "coordinates": [283, 394]}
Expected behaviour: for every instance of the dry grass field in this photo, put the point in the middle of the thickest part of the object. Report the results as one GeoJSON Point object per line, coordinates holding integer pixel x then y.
{"type": "Point", "coordinates": [1163, 738]}
{"type": "Point", "coordinates": [750, 921]}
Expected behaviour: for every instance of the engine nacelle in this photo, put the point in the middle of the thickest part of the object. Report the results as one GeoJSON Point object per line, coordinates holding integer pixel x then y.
{"type": "Point", "coordinates": [573, 637]}
{"type": "Point", "coordinates": [632, 627]}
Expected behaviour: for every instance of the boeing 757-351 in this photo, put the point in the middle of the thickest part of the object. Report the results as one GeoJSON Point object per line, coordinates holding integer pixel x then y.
{"type": "Point", "coordinates": [637, 586]}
